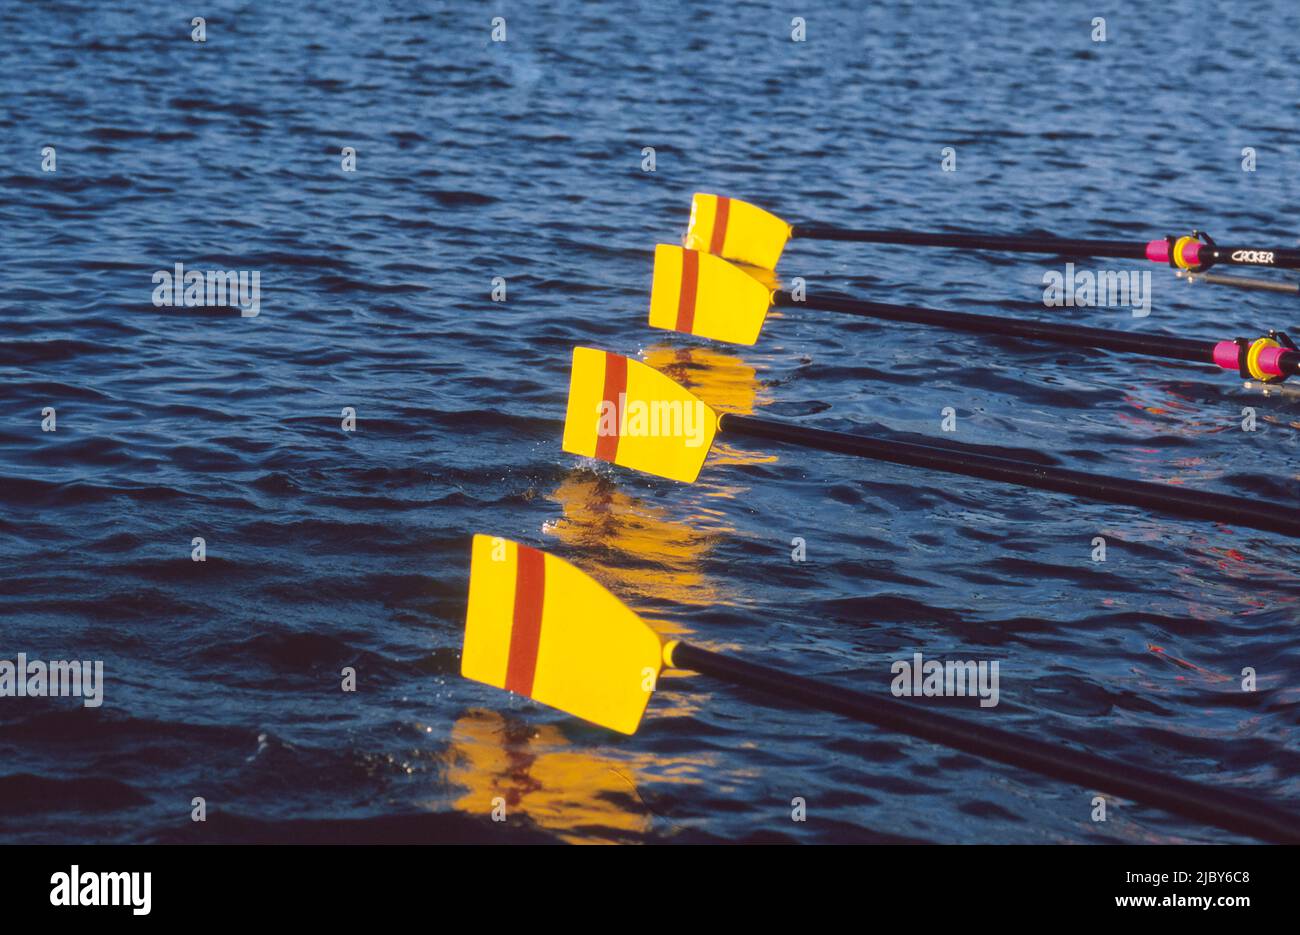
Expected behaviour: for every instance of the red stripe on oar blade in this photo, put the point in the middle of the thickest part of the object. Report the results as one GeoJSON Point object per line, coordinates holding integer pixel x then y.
{"type": "Point", "coordinates": [690, 285]}
{"type": "Point", "coordinates": [615, 387]}
{"type": "Point", "coordinates": [526, 632]}
{"type": "Point", "coordinates": [720, 225]}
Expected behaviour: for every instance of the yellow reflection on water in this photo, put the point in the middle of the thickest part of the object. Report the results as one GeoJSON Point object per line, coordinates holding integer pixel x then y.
{"type": "Point", "coordinates": [721, 379]}
{"type": "Point", "coordinates": [723, 454]}
{"type": "Point", "coordinates": [582, 794]}
{"type": "Point", "coordinates": [636, 548]}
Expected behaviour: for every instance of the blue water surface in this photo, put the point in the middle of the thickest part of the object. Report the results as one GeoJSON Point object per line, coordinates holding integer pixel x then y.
{"type": "Point", "coordinates": [524, 159]}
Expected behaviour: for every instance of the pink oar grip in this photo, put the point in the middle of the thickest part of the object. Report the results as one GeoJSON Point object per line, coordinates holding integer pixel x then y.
{"type": "Point", "coordinates": [1158, 251]}
{"type": "Point", "coordinates": [1225, 354]}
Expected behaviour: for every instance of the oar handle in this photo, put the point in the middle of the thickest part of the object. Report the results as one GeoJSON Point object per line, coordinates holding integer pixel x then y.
{"type": "Point", "coordinates": [1153, 345]}
{"type": "Point", "coordinates": [1193, 504]}
{"type": "Point", "coordinates": [1222, 808]}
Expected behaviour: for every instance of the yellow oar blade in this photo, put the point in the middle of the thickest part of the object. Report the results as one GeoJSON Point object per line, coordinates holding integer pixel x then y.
{"type": "Point", "coordinates": [736, 230]}
{"type": "Point", "coordinates": [540, 628]}
{"type": "Point", "coordinates": [702, 294]}
{"type": "Point", "coordinates": [626, 413]}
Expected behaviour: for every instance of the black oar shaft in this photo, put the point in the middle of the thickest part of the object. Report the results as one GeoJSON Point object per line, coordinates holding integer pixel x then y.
{"type": "Point", "coordinates": [1059, 246]}
{"type": "Point", "coordinates": [1222, 808]}
{"type": "Point", "coordinates": [1154, 345]}
{"type": "Point", "coordinates": [1250, 256]}
{"type": "Point", "coordinates": [1164, 498]}
{"type": "Point", "coordinates": [1209, 254]}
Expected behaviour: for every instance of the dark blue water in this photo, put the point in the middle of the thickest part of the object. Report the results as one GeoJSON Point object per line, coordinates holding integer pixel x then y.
{"type": "Point", "coordinates": [522, 159]}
